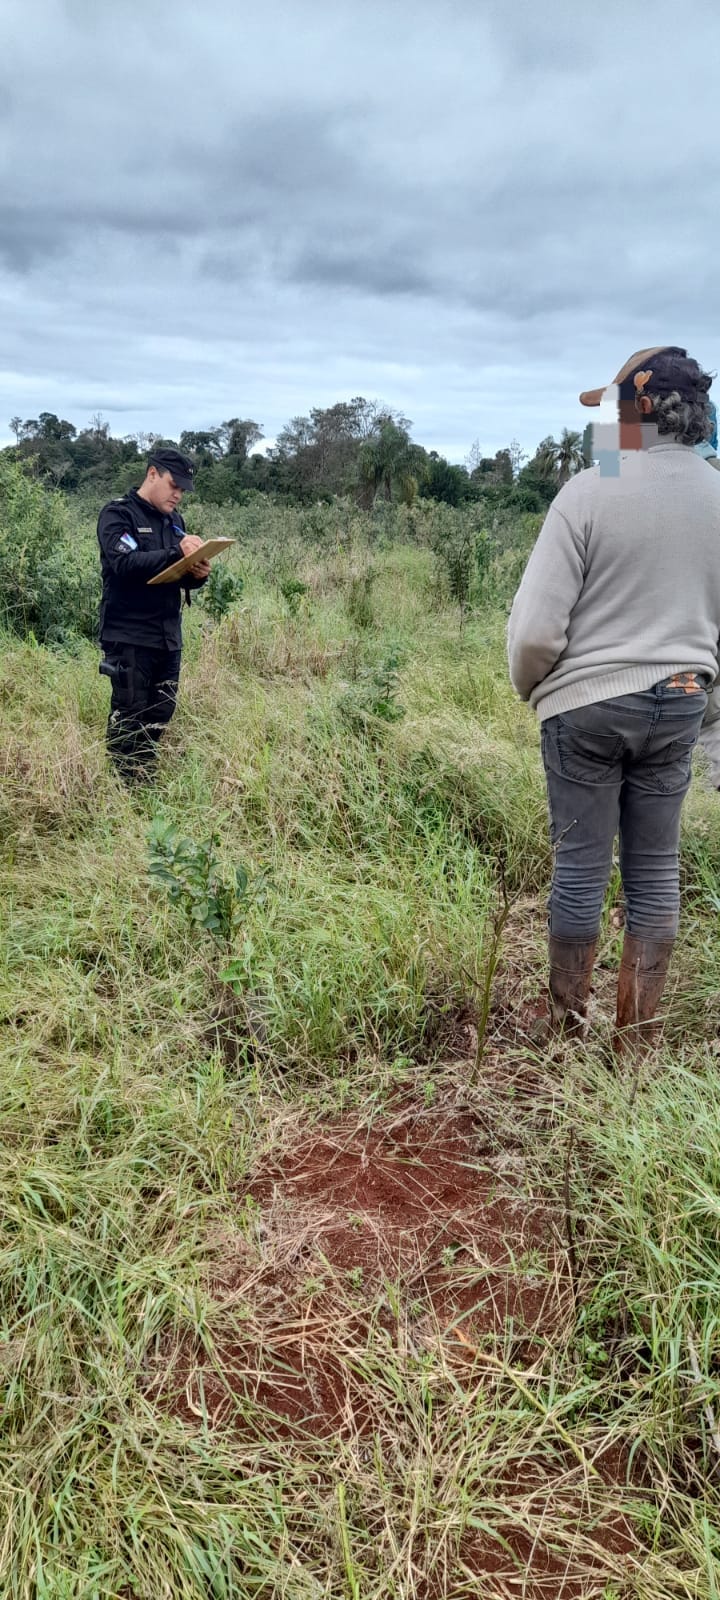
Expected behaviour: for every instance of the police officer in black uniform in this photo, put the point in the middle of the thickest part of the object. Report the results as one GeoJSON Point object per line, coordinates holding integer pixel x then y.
{"type": "Point", "coordinates": [140, 633]}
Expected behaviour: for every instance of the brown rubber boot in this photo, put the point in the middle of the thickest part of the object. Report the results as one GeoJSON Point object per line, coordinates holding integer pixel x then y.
{"type": "Point", "coordinates": [641, 980]}
{"type": "Point", "coordinates": [571, 969]}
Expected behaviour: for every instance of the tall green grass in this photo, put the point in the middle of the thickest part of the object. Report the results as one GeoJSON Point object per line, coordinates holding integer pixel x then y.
{"type": "Point", "coordinates": [139, 1295]}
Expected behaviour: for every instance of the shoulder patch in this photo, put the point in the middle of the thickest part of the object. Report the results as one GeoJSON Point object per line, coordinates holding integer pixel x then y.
{"type": "Point", "coordinates": [126, 539]}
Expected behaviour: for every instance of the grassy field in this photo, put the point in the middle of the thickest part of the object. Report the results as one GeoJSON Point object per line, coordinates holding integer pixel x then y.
{"type": "Point", "coordinates": [316, 1278]}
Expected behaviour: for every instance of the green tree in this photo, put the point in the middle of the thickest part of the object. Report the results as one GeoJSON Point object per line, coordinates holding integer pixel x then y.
{"type": "Point", "coordinates": [492, 471]}
{"type": "Point", "coordinates": [544, 463]}
{"type": "Point", "coordinates": [205, 446]}
{"type": "Point", "coordinates": [443, 481]}
{"type": "Point", "coordinates": [52, 427]}
{"type": "Point", "coordinates": [48, 586]}
{"type": "Point", "coordinates": [222, 457]}
{"type": "Point", "coordinates": [537, 482]}
{"type": "Point", "coordinates": [319, 454]}
{"type": "Point", "coordinates": [561, 458]}
{"type": "Point", "coordinates": [569, 454]}
{"type": "Point", "coordinates": [389, 463]}
{"type": "Point", "coordinates": [239, 436]}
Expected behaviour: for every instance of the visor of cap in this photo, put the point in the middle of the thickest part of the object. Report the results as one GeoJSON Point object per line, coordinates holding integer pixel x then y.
{"type": "Point", "coordinates": [592, 397]}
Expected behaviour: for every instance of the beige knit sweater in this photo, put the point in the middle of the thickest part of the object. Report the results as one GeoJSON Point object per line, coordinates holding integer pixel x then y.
{"type": "Point", "coordinates": [623, 585]}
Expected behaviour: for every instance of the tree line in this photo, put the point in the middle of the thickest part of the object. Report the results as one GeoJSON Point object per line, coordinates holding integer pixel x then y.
{"type": "Point", "coordinates": [356, 448]}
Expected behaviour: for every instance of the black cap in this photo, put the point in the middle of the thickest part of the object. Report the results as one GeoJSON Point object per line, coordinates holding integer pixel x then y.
{"type": "Point", "coordinates": [176, 463]}
{"type": "Point", "coordinates": [671, 370]}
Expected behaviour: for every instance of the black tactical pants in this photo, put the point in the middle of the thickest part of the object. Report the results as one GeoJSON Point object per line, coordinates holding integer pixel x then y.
{"type": "Point", "coordinates": [144, 693]}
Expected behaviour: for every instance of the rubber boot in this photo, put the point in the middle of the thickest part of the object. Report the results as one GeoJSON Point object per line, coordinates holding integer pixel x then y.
{"type": "Point", "coordinates": [571, 969]}
{"type": "Point", "coordinates": [641, 981]}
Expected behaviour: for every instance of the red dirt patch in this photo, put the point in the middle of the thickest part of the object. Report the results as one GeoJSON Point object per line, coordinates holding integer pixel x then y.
{"type": "Point", "coordinates": [526, 1565]}
{"type": "Point", "coordinates": [364, 1247]}
{"type": "Point", "coordinates": [290, 1379]}
{"type": "Point", "coordinates": [410, 1220]}
{"type": "Point", "coordinates": [418, 1199]}
{"type": "Point", "coordinates": [553, 1540]}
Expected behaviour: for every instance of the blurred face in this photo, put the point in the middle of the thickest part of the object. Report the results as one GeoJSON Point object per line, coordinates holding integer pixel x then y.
{"type": "Point", "coordinates": [631, 420]}
{"type": "Point", "coordinates": [161, 491]}
{"type": "Point", "coordinates": [634, 415]}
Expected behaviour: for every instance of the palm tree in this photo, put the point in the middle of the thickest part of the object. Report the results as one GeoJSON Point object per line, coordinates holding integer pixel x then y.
{"type": "Point", "coordinates": [561, 460]}
{"type": "Point", "coordinates": [545, 458]}
{"type": "Point", "coordinates": [386, 464]}
{"type": "Point", "coordinates": [569, 455]}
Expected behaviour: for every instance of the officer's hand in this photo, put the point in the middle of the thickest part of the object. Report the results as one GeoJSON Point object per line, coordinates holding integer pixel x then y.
{"type": "Point", "coordinates": [201, 569]}
{"type": "Point", "coordinates": [190, 543]}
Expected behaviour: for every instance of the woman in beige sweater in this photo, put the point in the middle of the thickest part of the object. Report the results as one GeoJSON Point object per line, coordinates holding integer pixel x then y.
{"type": "Point", "coordinates": [613, 639]}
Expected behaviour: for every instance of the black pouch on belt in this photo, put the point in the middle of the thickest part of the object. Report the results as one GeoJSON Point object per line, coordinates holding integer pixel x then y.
{"type": "Point", "coordinates": [122, 677]}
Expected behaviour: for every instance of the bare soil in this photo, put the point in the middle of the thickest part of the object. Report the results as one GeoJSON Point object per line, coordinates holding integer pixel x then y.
{"type": "Point", "coordinates": [418, 1198]}
{"type": "Point", "coordinates": [355, 1221]}
{"type": "Point", "coordinates": [421, 1228]}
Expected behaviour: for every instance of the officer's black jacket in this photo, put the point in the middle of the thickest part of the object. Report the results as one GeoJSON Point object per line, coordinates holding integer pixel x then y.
{"type": "Point", "coordinates": [136, 542]}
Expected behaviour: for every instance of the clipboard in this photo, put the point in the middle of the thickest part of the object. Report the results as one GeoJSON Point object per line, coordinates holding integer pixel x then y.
{"type": "Point", "coordinates": [211, 547]}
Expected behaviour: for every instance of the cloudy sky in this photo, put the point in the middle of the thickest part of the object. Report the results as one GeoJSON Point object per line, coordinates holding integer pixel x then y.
{"type": "Point", "coordinates": [468, 211]}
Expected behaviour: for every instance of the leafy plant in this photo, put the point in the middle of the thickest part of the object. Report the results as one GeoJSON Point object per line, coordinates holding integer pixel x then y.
{"type": "Point", "coordinates": [212, 898]}
{"type": "Point", "coordinates": [292, 591]}
{"type": "Point", "coordinates": [374, 697]}
{"type": "Point", "coordinates": [49, 582]}
{"type": "Point", "coordinates": [458, 558]}
{"type": "Point", "coordinates": [464, 557]}
{"type": "Point", "coordinates": [222, 591]}
{"type": "Point", "coordinates": [359, 598]}
{"type": "Point", "coordinates": [387, 684]}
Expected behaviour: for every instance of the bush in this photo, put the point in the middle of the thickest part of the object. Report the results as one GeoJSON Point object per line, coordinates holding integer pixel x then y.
{"type": "Point", "coordinates": [222, 592]}
{"type": "Point", "coordinates": [49, 581]}
{"type": "Point", "coordinates": [373, 698]}
{"type": "Point", "coordinates": [193, 878]}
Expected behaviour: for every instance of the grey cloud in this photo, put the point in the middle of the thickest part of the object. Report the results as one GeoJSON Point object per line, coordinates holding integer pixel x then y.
{"type": "Point", "coordinates": [382, 273]}
{"type": "Point", "coordinates": [26, 237]}
{"type": "Point", "coordinates": [295, 208]}
{"type": "Point", "coordinates": [266, 170]}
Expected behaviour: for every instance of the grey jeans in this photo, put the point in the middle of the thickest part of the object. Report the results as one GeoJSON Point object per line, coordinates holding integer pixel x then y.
{"type": "Point", "coordinates": [622, 766]}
